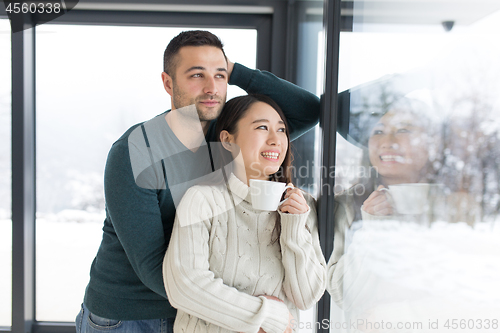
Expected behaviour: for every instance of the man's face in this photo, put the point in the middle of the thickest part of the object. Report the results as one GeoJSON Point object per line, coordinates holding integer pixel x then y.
{"type": "Point", "coordinates": [200, 79]}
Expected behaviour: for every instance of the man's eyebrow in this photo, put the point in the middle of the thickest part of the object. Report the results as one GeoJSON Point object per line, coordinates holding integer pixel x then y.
{"type": "Point", "coordinates": [195, 68]}
{"type": "Point", "coordinates": [201, 68]}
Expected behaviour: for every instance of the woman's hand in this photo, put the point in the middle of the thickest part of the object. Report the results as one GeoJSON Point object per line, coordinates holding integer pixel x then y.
{"type": "Point", "coordinates": [289, 328]}
{"type": "Point", "coordinates": [295, 202]}
{"type": "Point", "coordinates": [378, 203]}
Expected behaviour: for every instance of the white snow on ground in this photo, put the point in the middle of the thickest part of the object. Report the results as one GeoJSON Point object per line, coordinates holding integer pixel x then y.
{"type": "Point", "coordinates": [64, 254]}
{"type": "Point", "coordinates": [403, 272]}
{"type": "Point", "coordinates": [5, 272]}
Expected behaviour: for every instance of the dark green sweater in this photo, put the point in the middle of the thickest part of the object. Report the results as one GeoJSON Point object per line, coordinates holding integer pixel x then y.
{"type": "Point", "coordinates": [126, 280]}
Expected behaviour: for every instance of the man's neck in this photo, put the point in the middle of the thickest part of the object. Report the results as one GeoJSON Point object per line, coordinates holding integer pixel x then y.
{"type": "Point", "coordinates": [188, 129]}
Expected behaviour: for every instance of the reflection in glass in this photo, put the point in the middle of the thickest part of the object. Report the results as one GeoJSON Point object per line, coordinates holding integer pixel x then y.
{"type": "Point", "coordinates": [309, 75]}
{"type": "Point", "coordinates": [5, 176]}
{"type": "Point", "coordinates": [93, 83]}
{"type": "Point", "coordinates": [417, 218]}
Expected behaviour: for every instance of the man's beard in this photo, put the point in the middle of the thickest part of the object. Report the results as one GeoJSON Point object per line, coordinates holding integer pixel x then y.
{"type": "Point", "coordinates": [202, 115]}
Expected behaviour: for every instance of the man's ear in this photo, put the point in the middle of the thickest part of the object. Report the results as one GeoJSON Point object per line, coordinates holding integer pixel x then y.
{"type": "Point", "coordinates": [168, 83]}
{"type": "Point", "coordinates": [227, 140]}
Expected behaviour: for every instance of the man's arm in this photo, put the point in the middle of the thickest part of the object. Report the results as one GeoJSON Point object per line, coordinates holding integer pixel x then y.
{"type": "Point", "coordinates": [301, 108]}
{"type": "Point", "coordinates": [136, 218]}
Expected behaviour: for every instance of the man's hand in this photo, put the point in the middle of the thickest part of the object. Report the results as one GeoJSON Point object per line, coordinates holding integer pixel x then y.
{"type": "Point", "coordinates": [378, 203]}
{"type": "Point", "coordinates": [230, 66]}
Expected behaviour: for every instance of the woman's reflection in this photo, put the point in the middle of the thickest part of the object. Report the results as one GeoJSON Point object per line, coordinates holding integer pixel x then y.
{"type": "Point", "coordinates": [400, 150]}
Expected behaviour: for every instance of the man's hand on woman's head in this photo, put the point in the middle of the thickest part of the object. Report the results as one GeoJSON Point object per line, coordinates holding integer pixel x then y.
{"type": "Point", "coordinates": [230, 66]}
{"type": "Point", "coordinates": [378, 203]}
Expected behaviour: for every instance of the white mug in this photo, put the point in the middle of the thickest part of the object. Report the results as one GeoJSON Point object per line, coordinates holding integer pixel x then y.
{"type": "Point", "coordinates": [410, 198]}
{"type": "Point", "coordinates": [266, 194]}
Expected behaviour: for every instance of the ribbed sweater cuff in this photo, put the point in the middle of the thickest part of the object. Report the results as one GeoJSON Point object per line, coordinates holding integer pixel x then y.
{"type": "Point", "coordinates": [292, 224]}
{"type": "Point", "coordinates": [241, 76]}
{"type": "Point", "coordinates": [277, 319]}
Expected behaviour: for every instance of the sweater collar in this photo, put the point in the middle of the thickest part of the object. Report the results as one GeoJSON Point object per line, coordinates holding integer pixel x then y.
{"type": "Point", "coordinates": [239, 189]}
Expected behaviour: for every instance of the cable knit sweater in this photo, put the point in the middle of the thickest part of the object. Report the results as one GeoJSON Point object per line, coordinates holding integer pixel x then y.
{"type": "Point", "coordinates": [222, 258]}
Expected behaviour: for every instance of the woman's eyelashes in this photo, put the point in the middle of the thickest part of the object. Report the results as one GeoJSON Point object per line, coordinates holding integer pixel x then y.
{"type": "Point", "coordinates": [403, 130]}
{"type": "Point", "coordinates": [396, 131]}
{"type": "Point", "coordinates": [264, 127]}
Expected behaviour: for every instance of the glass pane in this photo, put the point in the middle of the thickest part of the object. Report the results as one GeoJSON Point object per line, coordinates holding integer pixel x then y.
{"type": "Point", "coordinates": [417, 241]}
{"type": "Point", "coordinates": [309, 74]}
{"type": "Point", "coordinates": [93, 83]}
{"type": "Point", "coordinates": [5, 176]}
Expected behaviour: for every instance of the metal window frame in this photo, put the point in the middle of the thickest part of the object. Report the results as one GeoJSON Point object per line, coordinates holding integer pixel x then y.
{"type": "Point", "coordinates": [328, 126]}
{"type": "Point", "coordinates": [23, 177]}
{"type": "Point", "coordinates": [260, 22]}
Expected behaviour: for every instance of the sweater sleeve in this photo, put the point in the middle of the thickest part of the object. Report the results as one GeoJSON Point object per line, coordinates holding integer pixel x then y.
{"type": "Point", "coordinates": [339, 260]}
{"type": "Point", "coordinates": [303, 260]}
{"type": "Point", "coordinates": [301, 108]}
{"type": "Point", "coordinates": [135, 216]}
{"type": "Point", "coordinates": [193, 288]}
{"type": "Point", "coordinates": [335, 268]}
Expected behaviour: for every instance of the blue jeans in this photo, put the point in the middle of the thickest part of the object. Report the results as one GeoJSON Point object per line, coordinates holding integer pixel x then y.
{"type": "Point", "coordinates": [87, 322]}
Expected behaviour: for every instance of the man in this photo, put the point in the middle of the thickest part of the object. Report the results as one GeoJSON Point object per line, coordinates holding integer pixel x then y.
{"type": "Point", "coordinates": [151, 165]}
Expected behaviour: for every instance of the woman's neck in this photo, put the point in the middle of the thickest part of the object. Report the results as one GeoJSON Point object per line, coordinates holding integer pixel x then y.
{"type": "Point", "coordinates": [245, 177]}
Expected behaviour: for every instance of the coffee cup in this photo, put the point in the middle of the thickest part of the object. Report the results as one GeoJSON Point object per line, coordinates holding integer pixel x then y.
{"type": "Point", "coordinates": [409, 198]}
{"type": "Point", "coordinates": [266, 195]}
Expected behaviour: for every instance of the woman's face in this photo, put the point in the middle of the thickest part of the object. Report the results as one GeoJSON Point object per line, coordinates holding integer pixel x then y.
{"type": "Point", "coordinates": [398, 148]}
{"type": "Point", "coordinates": [261, 136]}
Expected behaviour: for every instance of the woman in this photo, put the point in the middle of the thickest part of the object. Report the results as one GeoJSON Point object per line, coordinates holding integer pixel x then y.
{"type": "Point", "coordinates": [230, 267]}
{"type": "Point", "coordinates": [400, 147]}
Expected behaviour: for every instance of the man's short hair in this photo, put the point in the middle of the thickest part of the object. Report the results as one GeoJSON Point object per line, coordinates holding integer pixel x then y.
{"type": "Point", "coordinates": [188, 38]}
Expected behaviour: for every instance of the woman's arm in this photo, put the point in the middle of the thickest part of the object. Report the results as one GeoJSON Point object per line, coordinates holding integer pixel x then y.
{"type": "Point", "coordinates": [335, 268]}
{"type": "Point", "coordinates": [194, 289]}
{"type": "Point", "coordinates": [305, 267]}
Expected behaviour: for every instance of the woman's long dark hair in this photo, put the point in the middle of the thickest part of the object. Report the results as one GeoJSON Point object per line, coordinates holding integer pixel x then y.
{"type": "Point", "coordinates": [233, 111]}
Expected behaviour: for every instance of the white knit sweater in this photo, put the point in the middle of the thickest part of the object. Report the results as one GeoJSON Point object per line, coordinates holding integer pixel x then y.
{"type": "Point", "coordinates": [221, 259]}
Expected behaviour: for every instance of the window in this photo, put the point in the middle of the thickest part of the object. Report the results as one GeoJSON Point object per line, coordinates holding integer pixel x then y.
{"type": "Point", "coordinates": [422, 107]}
{"type": "Point", "coordinates": [5, 176]}
{"type": "Point", "coordinates": [93, 83]}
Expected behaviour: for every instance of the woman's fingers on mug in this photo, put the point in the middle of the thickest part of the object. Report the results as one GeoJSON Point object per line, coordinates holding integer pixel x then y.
{"type": "Point", "coordinates": [378, 203]}
{"type": "Point", "coordinates": [290, 190]}
{"type": "Point", "coordinates": [375, 198]}
{"type": "Point", "coordinates": [295, 203]}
